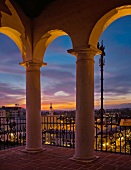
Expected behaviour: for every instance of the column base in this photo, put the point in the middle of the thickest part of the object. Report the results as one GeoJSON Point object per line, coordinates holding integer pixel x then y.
{"type": "Point", "coordinates": [33, 150]}
{"type": "Point", "coordinates": [84, 159]}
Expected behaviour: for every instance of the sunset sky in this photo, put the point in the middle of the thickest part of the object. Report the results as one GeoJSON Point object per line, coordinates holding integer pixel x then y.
{"type": "Point", "coordinates": [58, 77]}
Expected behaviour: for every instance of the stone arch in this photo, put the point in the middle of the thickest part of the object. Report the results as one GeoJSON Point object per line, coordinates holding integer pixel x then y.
{"type": "Point", "coordinates": [106, 20]}
{"type": "Point", "coordinates": [16, 37]}
{"type": "Point", "coordinates": [43, 43]}
{"type": "Point", "coordinates": [17, 26]}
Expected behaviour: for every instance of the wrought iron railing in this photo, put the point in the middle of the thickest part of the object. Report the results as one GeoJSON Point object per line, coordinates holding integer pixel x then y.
{"type": "Point", "coordinates": [116, 135]}
{"type": "Point", "coordinates": [12, 132]}
{"type": "Point", "coordinates": [60, 131]}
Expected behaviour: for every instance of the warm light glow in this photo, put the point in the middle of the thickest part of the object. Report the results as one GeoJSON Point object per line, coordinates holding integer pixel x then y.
{"type": "Point", "coordinates": [57, 106]}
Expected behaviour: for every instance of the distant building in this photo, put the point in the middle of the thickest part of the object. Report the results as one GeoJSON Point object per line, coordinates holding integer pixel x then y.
{"type": "Point", "coordinates": [2, 118]}
{"type": "Point", "coordinates": [12, 111]}
{"type": "Point", "coordinates": [12, 119]}
{"type": "Point", "coordinates": [2, 112]}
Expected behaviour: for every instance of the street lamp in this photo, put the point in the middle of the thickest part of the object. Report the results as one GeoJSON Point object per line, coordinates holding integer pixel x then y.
{"type": "Point", "coordinates": [101, 64]}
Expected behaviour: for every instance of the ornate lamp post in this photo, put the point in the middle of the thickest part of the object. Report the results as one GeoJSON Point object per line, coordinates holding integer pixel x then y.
{"type": "Point", "coordinates": [101, 64]}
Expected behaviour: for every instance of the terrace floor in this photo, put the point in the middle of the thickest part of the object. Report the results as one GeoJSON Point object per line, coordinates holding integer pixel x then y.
{"type": "Point", "coordinates": [57, 158]}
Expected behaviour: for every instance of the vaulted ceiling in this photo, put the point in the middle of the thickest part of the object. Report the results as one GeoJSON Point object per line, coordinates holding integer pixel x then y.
{"type": "Point", "coordinates": [33, 8]}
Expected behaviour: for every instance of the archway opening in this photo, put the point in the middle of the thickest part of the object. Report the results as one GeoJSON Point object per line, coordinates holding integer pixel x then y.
{"type": "Point", "coordinates": [58, 77]}
{"type": "Point", "coordinates": [106, 20]}
{"type": "Point", "coordinates": [12, 76]}
{"type": "Point", "coordinates": [117, 74]}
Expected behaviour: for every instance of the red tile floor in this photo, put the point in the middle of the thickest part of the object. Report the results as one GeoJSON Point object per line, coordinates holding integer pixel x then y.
{"type": "Point", "coordinates": [57, 158]}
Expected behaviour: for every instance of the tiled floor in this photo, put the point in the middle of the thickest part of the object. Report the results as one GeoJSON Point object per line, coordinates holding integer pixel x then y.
{"type": "Point", "coordinates": [57, 158]}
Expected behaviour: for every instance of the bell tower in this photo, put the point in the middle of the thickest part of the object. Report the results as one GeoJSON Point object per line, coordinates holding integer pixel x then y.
{"type": "Point", "coordinates": [51, 110]}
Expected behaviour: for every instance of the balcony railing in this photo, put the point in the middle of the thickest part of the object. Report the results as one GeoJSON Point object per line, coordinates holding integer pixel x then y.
{"type": "Point", "coordinates": [58, 130]}
{"type": "Point", "coordinates": [113, 135]}
{"type": "Point", "coordinates": [12, 132]}
{"type": "Point", "coordinates": [110, 135]}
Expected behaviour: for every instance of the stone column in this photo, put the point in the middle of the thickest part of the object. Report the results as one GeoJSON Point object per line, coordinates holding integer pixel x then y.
{"type": "Point", "coordinates": [84, 133]}
{"type": "Point", "coordinates": [33, 107]}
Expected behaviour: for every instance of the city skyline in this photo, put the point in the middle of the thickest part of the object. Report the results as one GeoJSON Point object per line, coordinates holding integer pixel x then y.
{"type": "Point", "coordinates": [58, 77]}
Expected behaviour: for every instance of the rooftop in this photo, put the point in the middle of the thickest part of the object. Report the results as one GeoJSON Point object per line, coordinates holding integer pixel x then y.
{"type": "Point", "coordinates": [57, 158]}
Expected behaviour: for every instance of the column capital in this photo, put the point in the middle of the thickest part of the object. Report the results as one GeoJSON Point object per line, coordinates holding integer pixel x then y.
{"type": "Point", "coordinates": [89, 49]}
{"type": "Point", "coordinates": [32, 63]}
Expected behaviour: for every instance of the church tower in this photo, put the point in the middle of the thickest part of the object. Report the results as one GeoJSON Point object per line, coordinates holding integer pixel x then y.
{"type": "Point", "coordinates": [51, 110]}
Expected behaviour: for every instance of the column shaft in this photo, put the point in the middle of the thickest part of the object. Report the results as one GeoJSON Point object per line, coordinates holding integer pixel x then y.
{"type": "Point", "coordinates": [84, 141]}
{"type": "Point", "coordinates": [33, 106]}
{"type": "Point", "coordinates": [84, 133]}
